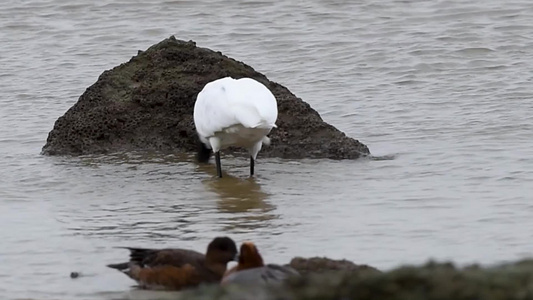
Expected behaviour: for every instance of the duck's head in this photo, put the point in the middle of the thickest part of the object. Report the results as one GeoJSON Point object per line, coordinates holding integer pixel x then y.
{"type": "Point", "coordinates": [221, 250]}
{"type": "Point", "coordinates": [249, 257]}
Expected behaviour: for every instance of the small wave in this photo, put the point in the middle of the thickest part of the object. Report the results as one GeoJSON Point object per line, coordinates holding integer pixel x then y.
{"type": "Point", "coordinates": [382, 157]}
{"type": "Point", "coordinates": [474, 51]}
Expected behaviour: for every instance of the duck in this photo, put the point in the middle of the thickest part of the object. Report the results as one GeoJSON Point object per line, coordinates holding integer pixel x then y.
{"type": "Point", "coordinates": [252, 270]}
{"type": "Point", "coordinates": [234, 112]}
{"type": "Point", "coordinates": [177, 269]}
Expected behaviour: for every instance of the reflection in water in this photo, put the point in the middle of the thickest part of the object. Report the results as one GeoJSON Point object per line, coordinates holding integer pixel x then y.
{"type": "Point", "coordinates": [243, 198]}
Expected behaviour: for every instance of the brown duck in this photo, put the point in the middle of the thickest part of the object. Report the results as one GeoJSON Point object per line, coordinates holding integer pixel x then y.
{"type": "Point", "coordinates": [176, 269]}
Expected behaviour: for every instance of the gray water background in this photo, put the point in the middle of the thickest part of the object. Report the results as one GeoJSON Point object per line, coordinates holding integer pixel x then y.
{"type": "Point", "coordinates": [442, 89]}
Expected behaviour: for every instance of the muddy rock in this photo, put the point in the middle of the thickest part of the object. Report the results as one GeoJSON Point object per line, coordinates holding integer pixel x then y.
{"type": "Point", "coordinates": [147, 104]}
{"type": "Point", "coordinates": [315, 265]}
{"type": "Point", "coordinates": [432, 281]}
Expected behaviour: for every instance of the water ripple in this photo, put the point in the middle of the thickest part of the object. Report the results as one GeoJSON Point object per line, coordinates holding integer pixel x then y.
{"type": "Point", "coordinates": [438, 90]}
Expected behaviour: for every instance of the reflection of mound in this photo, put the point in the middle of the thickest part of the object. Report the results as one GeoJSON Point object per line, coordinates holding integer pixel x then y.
{"type": "Point", "coordinates": [244, 198]}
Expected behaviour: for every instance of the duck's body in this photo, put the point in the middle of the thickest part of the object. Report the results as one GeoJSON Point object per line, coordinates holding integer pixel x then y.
{"type": "Point", "coordinates": [176, 269]}
{"type": "Point", "coordinates": [270, 273]}
{"type": "Point", "coordinates": [252, 270]}
{"type": "Point", "coordinates": [234, 112]}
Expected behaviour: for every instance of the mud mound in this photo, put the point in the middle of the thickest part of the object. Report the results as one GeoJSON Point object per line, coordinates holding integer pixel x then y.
{"type": "Point", "coordinates": [147, 104]}
{"type": "Point", "coordinates": [322, 265]}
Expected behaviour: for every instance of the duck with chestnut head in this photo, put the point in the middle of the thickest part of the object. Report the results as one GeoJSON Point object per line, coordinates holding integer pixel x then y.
{"type": "Point", "coordinates": [252, 270]}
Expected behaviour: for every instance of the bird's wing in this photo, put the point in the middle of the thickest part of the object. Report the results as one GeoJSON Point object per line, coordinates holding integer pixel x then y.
{"type": "Point", "coordinates": [253, 104]}
{"type": "Point", "coordinates": [227, 102]}
{"type": "Point", "coordinates": [267, 274]}
{"type": "Point", "coordinates": [171, 257]}
{"type": "Point", "coordinates": [166, 277]}
{"type": "Point", "coordinates": [211, 110]}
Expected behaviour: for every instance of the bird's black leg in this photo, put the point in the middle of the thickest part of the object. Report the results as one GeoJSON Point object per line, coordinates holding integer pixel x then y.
{"type": "Point", "coordinates": [251, 166]}
{"type": "Point", "coordinates": [219, 167]}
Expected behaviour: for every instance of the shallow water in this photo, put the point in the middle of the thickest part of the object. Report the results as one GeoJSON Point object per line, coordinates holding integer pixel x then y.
{"type": "Point", "coordinates": [441, 88]}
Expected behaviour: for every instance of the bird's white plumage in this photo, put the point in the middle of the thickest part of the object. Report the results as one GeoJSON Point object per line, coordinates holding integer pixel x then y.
{"type": "Point", "coordinates": [235, 112]}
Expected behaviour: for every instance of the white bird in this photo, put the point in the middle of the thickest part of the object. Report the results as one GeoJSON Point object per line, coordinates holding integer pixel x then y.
{"type": "Point", "coordinates": [234, 112]}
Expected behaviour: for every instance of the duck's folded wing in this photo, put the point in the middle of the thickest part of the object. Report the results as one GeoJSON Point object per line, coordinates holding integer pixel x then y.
{"type": "Point", "coordinates": [167, 277]}
{"type": "Point", "coordinates": [168, 257]}
{"type": "Point", "coordinates": [287, 270]}
{"type": "Point", "coordinates": [268, 274]}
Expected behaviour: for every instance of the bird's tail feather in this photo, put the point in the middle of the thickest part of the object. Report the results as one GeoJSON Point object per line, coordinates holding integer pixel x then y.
{"type": "Point", "coordinates": [120, 266]}
{"type": "Point", "coordinates": [266, 141]}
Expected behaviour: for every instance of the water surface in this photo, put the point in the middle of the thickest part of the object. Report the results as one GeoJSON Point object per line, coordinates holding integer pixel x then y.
{"type": "Point", "coordinates": [443, 88]}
